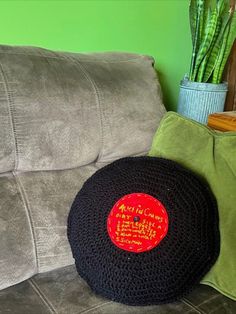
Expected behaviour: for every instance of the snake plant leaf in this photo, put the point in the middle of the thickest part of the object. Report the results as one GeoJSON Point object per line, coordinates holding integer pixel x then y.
{"type": "Point", "coordinates": [193, 17]}
{"type": "Point", "coordinates": [213, 55]}
{"type": "Point", "coordinates": [213, 33]}
{"type": "Point", "coordinates": [195, 21]}
{"type": "Point", "coordinates": [206, 14]}
{"type": "Point", "coordinates": [221, 6]}
{"type": "Point", "coordinates": [228, 40]}
{"type": "Point", "coordinates": [207, 41]}
{"type": "Point", "coordinates": [220, 55]}
{"type": "Point", "coordinates": [201, 21]}
{"type": "Point", "coordinates": [203, 67]}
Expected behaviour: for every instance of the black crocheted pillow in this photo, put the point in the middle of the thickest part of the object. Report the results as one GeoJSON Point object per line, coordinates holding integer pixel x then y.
{"type": "Point", "coordinates": [143, 230]}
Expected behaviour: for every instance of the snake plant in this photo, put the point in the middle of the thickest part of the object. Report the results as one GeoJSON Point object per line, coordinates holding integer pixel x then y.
{"type": "Point", "coordinates": [213, 28]}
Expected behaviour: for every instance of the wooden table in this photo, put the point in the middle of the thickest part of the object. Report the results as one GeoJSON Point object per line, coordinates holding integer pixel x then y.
{"type": "Point", "coordinates": [223, 121]}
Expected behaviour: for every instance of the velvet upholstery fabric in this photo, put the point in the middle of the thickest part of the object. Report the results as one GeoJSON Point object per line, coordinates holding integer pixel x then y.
{"type": "Point", "coordinates": [34, 208]}
{"type": "Point", "coordinates": [63, 110]}
{"type": "Point", "coordinates": [17, 251]}
{"type": "Point", "coordinates": [63, 116]}
{"type": "Point", "coordinates": [211, 155]}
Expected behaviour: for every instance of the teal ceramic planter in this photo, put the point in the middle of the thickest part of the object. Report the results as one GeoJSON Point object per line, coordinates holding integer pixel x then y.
{"type": "Point", "coordinates": [198, 100]}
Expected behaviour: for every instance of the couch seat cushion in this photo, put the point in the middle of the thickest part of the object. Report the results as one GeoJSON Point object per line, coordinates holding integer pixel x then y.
{"type": "Point", "coordinates": [33, 219]}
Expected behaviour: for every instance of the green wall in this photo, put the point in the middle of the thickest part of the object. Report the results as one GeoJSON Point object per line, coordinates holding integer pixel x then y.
{"type": "Point", "coordinates": [158, 27]}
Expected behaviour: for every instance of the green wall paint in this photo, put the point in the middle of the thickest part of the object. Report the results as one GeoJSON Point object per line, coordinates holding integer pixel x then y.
{"type": "Point", "coordinates": [159, 28]}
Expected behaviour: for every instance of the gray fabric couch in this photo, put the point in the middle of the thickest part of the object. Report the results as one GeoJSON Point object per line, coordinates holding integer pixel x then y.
{"type": "Point", "coordinates": [62, 117]}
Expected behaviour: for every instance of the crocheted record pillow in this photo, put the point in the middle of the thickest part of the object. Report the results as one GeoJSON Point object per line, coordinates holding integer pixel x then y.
{"type": "Point", "coordinates": [143, 230]}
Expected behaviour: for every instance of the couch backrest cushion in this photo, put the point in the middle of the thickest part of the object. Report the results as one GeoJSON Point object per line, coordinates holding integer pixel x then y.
{"type": "Point", "coordinates": [64, 110]}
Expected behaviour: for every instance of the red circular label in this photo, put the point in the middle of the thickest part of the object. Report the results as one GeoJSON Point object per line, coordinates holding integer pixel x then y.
{"type": "Point", "coordinates": [137, 222]}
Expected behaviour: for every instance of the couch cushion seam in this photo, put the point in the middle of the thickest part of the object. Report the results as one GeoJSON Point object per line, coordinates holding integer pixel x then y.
{"type": "Point", "coordinates": [42, 296]}
{"type": "Point", "coordinates": [98, 96]}
{"type": "Point", "coordinates": [143, 153]}
{"type": "Point", "coordinates": [192, 306]}
{"type": "Point", "coordinates": [209, 299]}
{"type": "Point", "coordinates": [95, 307]}
{"type": "Point", "coordinates": [98, 101]}
{"type": "Point", "coordinates": [11, 115]}
{"type": "Point", "coordinates": [28, 212]}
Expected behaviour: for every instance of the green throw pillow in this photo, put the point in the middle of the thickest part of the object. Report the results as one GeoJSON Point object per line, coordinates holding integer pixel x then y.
{"type": "Point", "coordinates": [212, 155]}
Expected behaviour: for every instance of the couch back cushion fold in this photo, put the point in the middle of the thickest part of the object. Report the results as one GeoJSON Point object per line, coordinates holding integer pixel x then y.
{"type": "Point", "coordinates": [65, 110]}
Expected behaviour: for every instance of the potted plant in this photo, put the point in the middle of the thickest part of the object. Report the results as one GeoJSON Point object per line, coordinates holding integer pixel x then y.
{"type": "Point", "coordinates": [213, 28]}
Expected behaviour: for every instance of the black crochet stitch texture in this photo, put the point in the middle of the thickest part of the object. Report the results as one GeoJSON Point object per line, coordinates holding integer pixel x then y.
{"type": "Point", "coordinates": [171, 269]}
